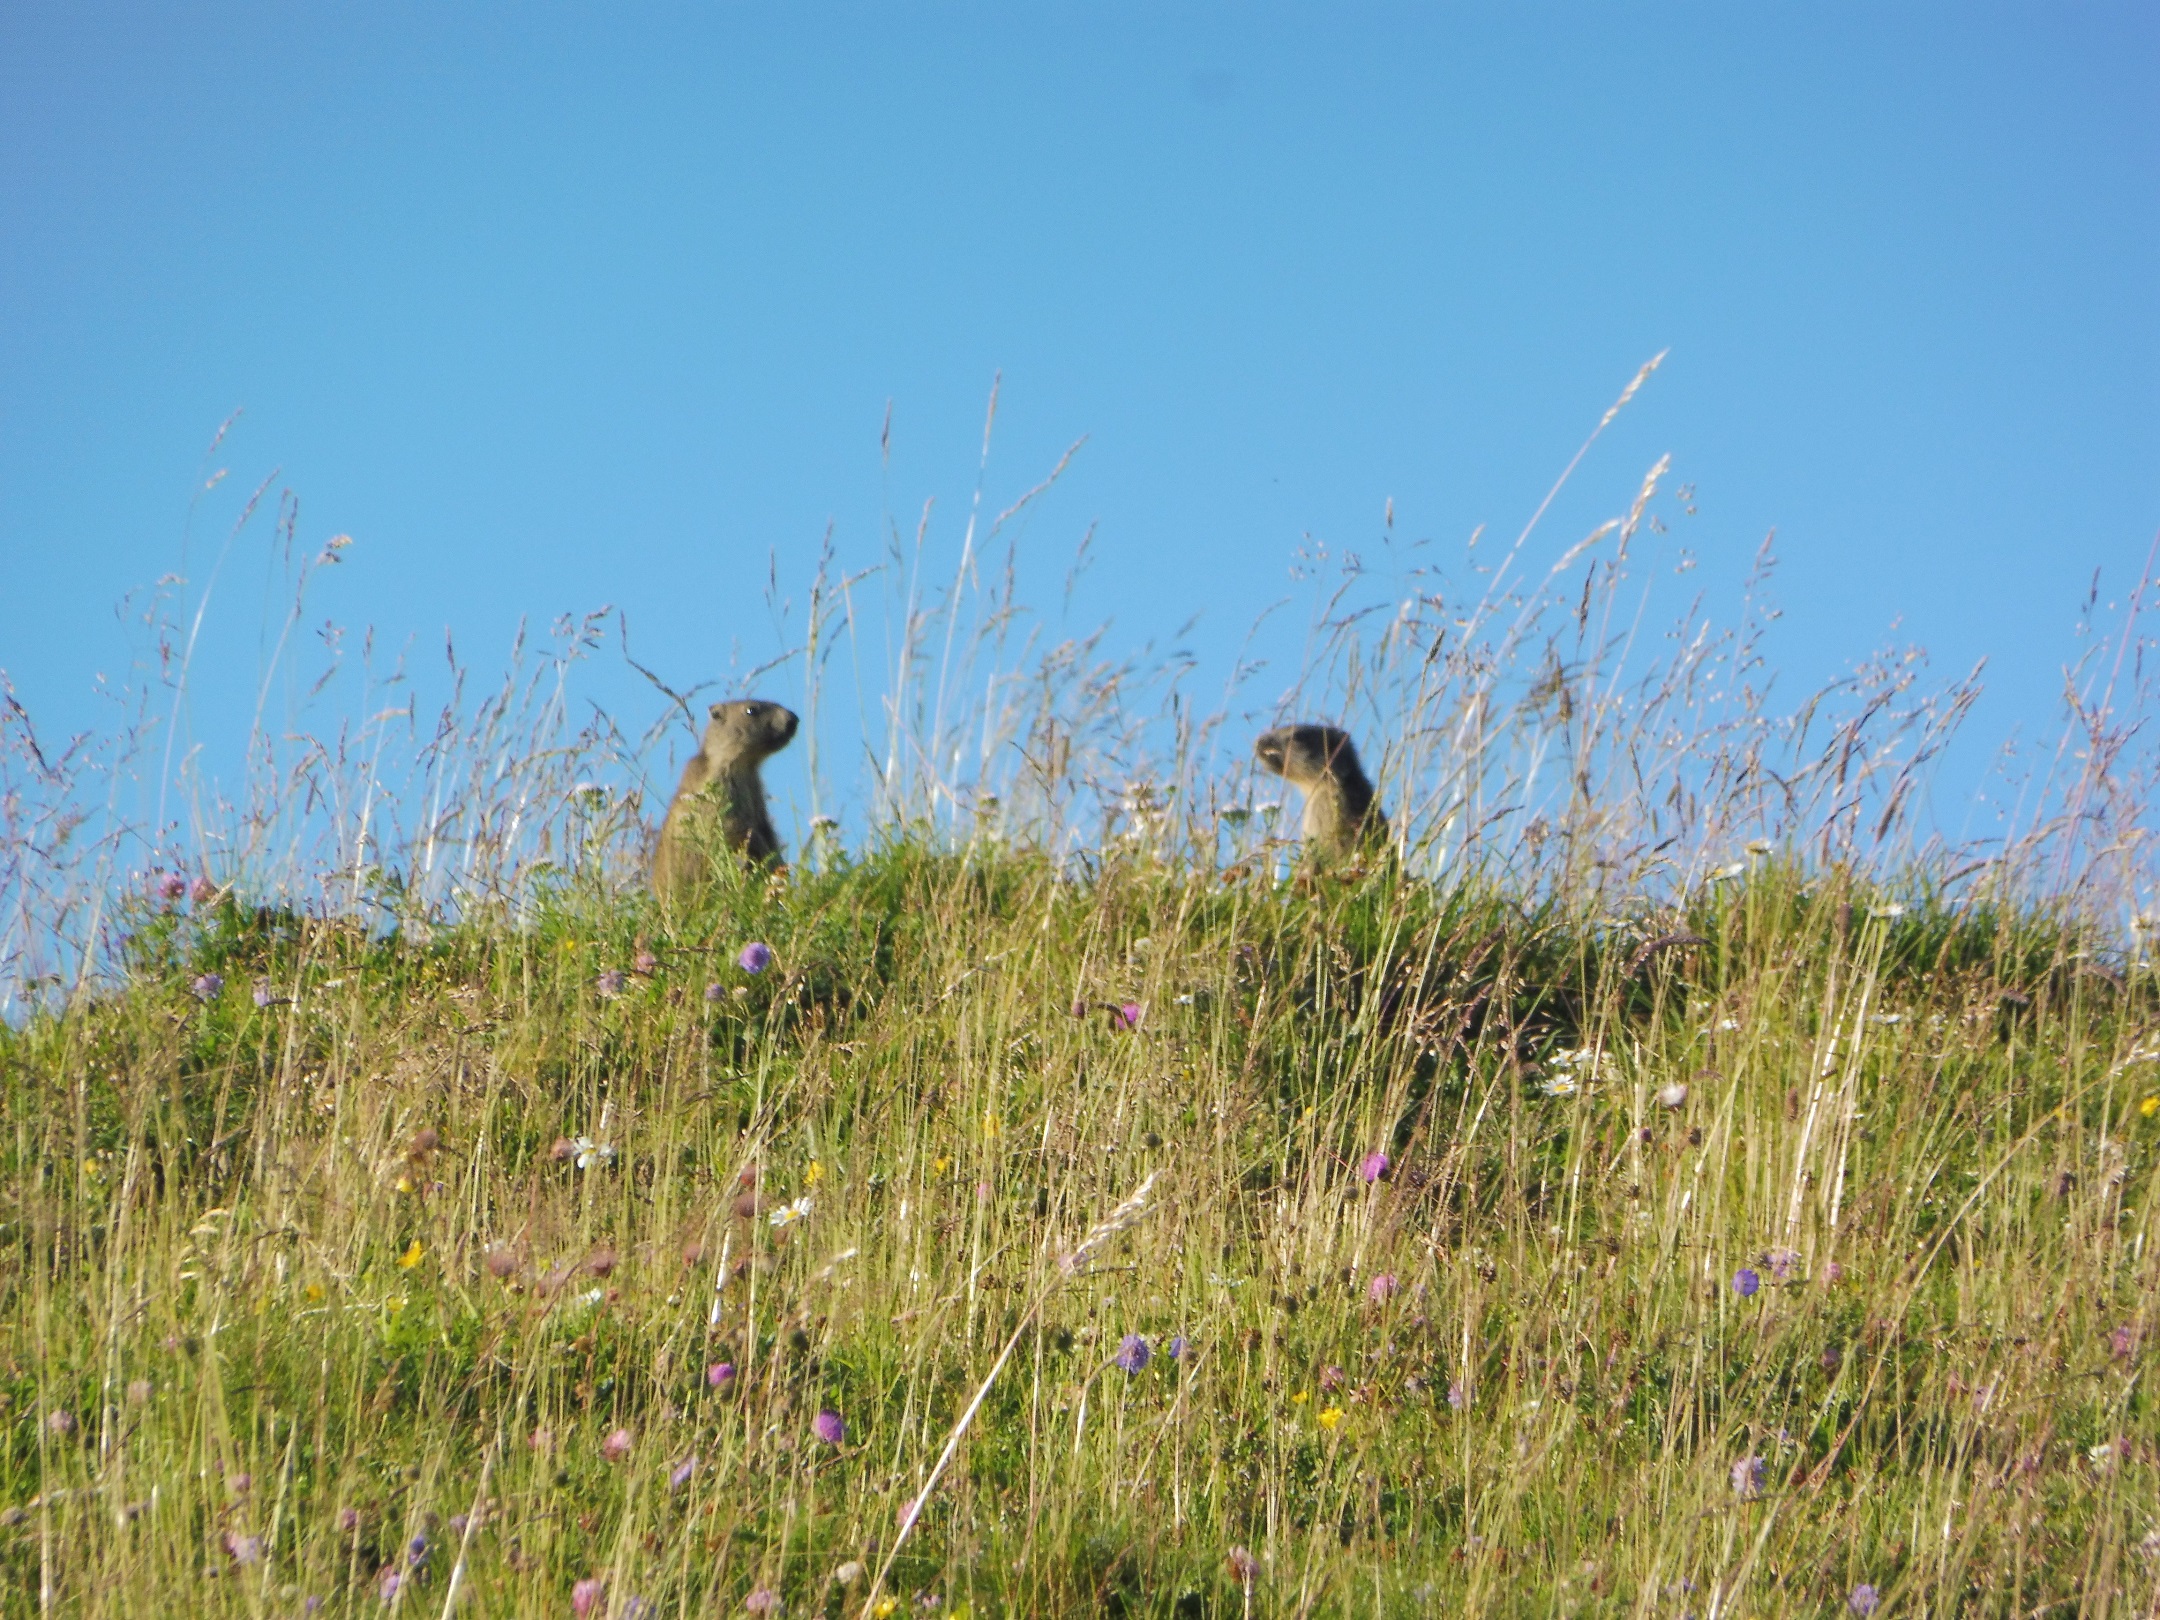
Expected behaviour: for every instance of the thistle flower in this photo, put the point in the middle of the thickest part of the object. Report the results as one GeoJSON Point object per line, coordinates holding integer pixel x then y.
{"type": "Point", "coordinates": [244, 1549]}
{"type": "Point", "coordinates": [611, 982]}
{"type": "Point", "coordinates": [585, 1596]}
{"type": "Point", "coordinates": [172, 886]}
{"type": "Point", "coordinates": [1332, 1378]}
{"type": "Point", "coordinates": [60, 1422]}
{"type": "Point", "coordinates": [1382, 1288]}
{"type": "Point", "coordinates": [1745, 1282]}
{"type": "Point", "coordinates": [720, 1374]}
{"type": "Point", "coordinates": [1133, 1353]}
{"type": "Point", "coordinates": [501, 1263]}
{"type": "Point", "coordinates": [2121, 1342]}
{"type": "Point", "coordinates": [1373, 1167]}
{"type": "Point", "coordinates": [616, 1446]}
{"type": "Point", "coordinates": [1125, 1017]}
{"type": "Point", "coordinates": [202, 891]}
{"type": "Point", "coordinates": [1864, 1600]}
{"type": "Point", "coordinates": [764, 1600]}
{"type": "Point", "coordinates": [645, 964]}
{"type": "Point", "coordinates": [829, 1427]}
{"type": "Point", "coordinates": [1747, 1477]}
{"type": "Point", "coordinates": [208, 987]}
{"type": "Point", "coordinates": [756, 957]}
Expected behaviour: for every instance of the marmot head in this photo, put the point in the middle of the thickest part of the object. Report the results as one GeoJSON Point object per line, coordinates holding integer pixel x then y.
{"type": "Point", "coordinates": [747, 730]}
{"type": "Point", "coordinates": [1304, 754]}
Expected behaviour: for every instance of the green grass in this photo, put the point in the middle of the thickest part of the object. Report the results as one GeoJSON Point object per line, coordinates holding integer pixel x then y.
{"type": "Point", "coordinates": [254, 1341]}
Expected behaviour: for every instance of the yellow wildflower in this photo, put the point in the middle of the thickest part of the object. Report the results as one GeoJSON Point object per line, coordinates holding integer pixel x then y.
{"type": "Point", "coordinates": [312, 1293]}
{"type": "Point", "coordinates": [1331, 1417]}
{"type": "Point", "coordinates": [2149, 1107]}
{"type": "Point", "coordinates": [411, 1257]}
{"type": "Point", "coordinates": [1301, 1397]}
{"type": "Point", "coordinates": [814, 1175]}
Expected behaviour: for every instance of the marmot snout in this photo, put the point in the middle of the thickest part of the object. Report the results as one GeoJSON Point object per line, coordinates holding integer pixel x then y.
{"type": "Point", "coordinates": [720, 802]}
{"type": "Point", "coordinates": [1321, 761]}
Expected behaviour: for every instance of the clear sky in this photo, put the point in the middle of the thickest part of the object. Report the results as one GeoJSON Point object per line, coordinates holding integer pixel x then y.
{"type": "Point", "coordinates": [550, 307]}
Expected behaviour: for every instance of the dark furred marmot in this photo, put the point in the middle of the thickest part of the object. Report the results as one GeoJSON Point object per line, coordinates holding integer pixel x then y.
{"type": "Point", "coordinates": [721, 800]}
{"type": "Point", "coordinates": [1321, 761]}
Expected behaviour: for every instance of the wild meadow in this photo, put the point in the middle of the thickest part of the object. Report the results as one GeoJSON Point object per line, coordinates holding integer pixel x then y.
{"type": "Point", "coordinates": [1670, 1183]}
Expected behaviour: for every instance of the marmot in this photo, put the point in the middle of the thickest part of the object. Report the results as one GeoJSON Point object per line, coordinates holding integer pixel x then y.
{"type": "Point", "coordinates": [720, 799]}
{"type": "Point", "coordinates": [1321, 761]}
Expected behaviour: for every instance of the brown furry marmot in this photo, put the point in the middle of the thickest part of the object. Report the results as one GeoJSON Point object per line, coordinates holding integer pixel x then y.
{"type": "Point", "coordinates": [721, 799]}
{"type": "Point", "coordinates": [1341, 818]}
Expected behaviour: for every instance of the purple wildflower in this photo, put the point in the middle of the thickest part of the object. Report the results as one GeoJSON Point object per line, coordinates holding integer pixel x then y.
{"type": "Point", "coordinates": [716, 992]}
{"type": "Point", "coordinates": [756, 958]}
{"type": "Point", "coordinates": [388, 1582]}
{"type": "Point", "coordinates": [1178, 1348]}
{"type": "Point", "coordinates": [313, 1605]}
{"type": "Point", "coordinates": [240, 1484]}
{"type": "Point", "coordinates": [1079, 1009]}
{"type": "Point", "coordinates": [616, 1446]}
{"type": "Point", "coordinates": [683, 1470]}
{"type": "Point", "coordinates": [244, 1549]}
{"type": "Point", "coordinates": [763, 1601]}
{"type": "Point", "coordinates": [1458, 1395]}
{"type": "Point", "coordinates": [1864, 1600]}
{"type": "Point", "coordinates": [646, 963]}
{"type": "Point", "coordinates": [1747, 1477]}
{"type": "Point", "coordinates": [1132, 1353]}
{"type": "Point", "coordinates": [202, 891]}
{"type": "Point", "coordinates": [208, 986]}
{"type": "Point", "coordinates": [262, 995]}
{"type": "Point", "coordinates": [60, 1422]}
{"type": "Point", "coordinates": [1125, 1017]}
{"type": "Point", "coordinates": [585, 1596]}
{"type": "Point", "coordinates": [1372, 1167]}
{"type": "Point", "coordinates": [1244, 1567]}
{"type": "Point", "coordinates": [348, 1520]}
{"type": "Point", "coordinates": [416, 1550]}
{"type": "Point", "coordinates": [171, 886]}
{"type": "Point", "coordinates": [1332, 1378]}
{"type": "Point", "coordinates": [611, 982]}
{"type": "Point", "coordinates": [829, 1427]}
{"type": "Point", "coordinates": [1833, 1274]}
{"type": "Point", "coordinates": [720, 1374]}
{"type": "Point", "coordinates": [1745, 1282]}
{"type": "Point", "coordinates": [1382, 1288]}
{"type": "Point", "coordinates": [2121, 1342]}
{"type": "Point", "coordinates": [1783, 1263]}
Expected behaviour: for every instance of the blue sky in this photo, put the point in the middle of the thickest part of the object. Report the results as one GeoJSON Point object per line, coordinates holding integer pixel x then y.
{"type": "Point", "coordinates": [552, 307]}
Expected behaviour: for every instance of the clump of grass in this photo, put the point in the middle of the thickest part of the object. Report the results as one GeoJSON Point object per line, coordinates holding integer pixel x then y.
{"type": "Point", "coordinates": [436, 1254]}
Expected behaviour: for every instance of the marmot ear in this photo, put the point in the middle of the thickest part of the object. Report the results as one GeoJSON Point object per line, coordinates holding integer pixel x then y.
{"type": "Point", "coordinates": [713, 713]}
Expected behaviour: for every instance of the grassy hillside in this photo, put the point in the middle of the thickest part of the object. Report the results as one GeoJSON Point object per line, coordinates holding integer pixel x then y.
{"type": "Point", "coordinates": [1788, 1252]}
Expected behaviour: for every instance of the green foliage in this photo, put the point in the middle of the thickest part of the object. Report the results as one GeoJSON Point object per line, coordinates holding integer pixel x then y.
{"type": "Point", "coordinates": [392, 1236]}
